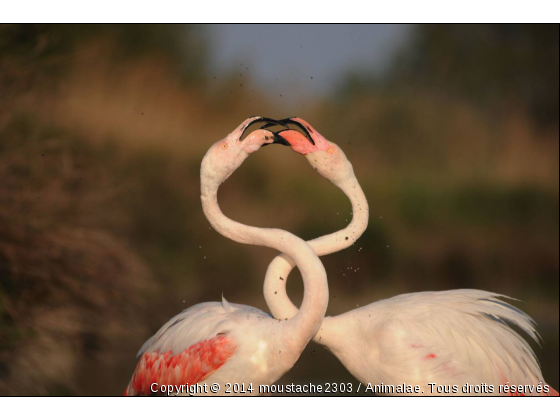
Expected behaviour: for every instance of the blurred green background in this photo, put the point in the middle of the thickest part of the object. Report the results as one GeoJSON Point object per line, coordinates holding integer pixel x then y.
{"type": "Point", "coordinates": [103, 128]}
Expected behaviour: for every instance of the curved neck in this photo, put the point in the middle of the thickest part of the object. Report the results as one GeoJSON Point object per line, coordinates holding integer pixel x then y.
{"type": "Point", "coordinates": [305, 325]}
{"type": "Point", "coordinates": [278, 271]}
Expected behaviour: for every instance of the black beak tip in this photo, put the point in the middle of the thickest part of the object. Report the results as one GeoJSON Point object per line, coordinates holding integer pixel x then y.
{"type": "Point", "coordinates": [284, 123]}
{"type": "Point", "coordinates": [278, 139]}
{"type": "Point", "coordinates": [269, 123]}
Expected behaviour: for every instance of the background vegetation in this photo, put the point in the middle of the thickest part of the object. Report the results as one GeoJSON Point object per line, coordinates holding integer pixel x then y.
{"type": "Point", "coordinates": [102, 236]}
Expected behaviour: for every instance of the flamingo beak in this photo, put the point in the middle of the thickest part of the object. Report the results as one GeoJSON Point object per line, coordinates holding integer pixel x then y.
{"type": "Point", "coordinates": [298, 141]}
{"type": "Point", "coordinates": [268, 121]}
{"type": "Point", "coordinates": [277, 139]}
{"type": "Point", "coordinates": [283, 122]}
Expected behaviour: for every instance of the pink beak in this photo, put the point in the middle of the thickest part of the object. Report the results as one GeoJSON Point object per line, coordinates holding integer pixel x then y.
{"type": "Point", "coordinates": [298, 142]}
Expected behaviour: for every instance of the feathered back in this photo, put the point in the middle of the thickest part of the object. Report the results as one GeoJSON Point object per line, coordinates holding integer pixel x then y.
{"type": "Point", "coordinates": [470, 334]}
{"type": "Point", "coordinates": [451, 337]}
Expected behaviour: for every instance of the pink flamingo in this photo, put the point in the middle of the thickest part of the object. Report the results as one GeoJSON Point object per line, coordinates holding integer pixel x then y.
{"type": "Point", "coordinates": [449, 338]}
{"type": "Point", "coordinates": [223, 342]}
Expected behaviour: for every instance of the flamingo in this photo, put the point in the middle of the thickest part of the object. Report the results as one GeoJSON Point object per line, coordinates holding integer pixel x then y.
{"type": "Point", "coordinates": [448, 338]}
{"type": "Point", "coordinates": [222, 342]}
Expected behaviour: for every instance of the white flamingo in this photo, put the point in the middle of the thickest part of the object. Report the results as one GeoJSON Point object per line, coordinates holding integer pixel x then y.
{"type": "Point", "coordinates": [448, 338]}
{"type": "Point", "coordinates": [224, 342]}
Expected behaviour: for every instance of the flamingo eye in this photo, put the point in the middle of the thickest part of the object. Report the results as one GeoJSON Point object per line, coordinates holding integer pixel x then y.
{"type": "Point", "coordinates": [330, 150]}
{"type": "Point", "coordinates": [224, 145]}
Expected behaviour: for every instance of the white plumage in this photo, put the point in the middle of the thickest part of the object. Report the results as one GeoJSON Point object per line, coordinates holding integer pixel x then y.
{"type": "Point", "coordinates": [455, 337]}
{"type": "Point", "coordinates": [224, 342]}
{"type": "Point", "coordinates": [449, 338]}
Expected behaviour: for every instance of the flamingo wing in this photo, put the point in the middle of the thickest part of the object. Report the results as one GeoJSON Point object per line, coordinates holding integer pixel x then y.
{"type": "Point", "coordinates": [185, 368]}
{"type": "Point", "coordinates": [457, 337]}
{"type": "Point", "coordinates": [187, 349]}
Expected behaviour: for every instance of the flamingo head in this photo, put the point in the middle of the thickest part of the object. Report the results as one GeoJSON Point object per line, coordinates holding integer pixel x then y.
{"type": "Point", "coordinates": [226, 155]}
{"type": "Point", "coordinates": [325, 156]}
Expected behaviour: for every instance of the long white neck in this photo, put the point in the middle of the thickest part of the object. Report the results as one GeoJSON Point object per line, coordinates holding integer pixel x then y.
{"type": "Point", "coordinates": [279, 269]}
{"type": "Point", "coordinates": [302, 327]}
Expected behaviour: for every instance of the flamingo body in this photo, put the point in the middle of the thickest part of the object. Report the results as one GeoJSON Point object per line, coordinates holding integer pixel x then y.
{"type": "Point", "coordinates": [452, 338]}
{"type": "Point", "coordinates": [212, 342]}
{"type": "Point", "coordinates": [221, 343]}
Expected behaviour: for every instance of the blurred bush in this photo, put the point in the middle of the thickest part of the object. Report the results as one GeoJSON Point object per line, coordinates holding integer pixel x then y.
{"type": "Point", "coordinates": [102, 237]}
